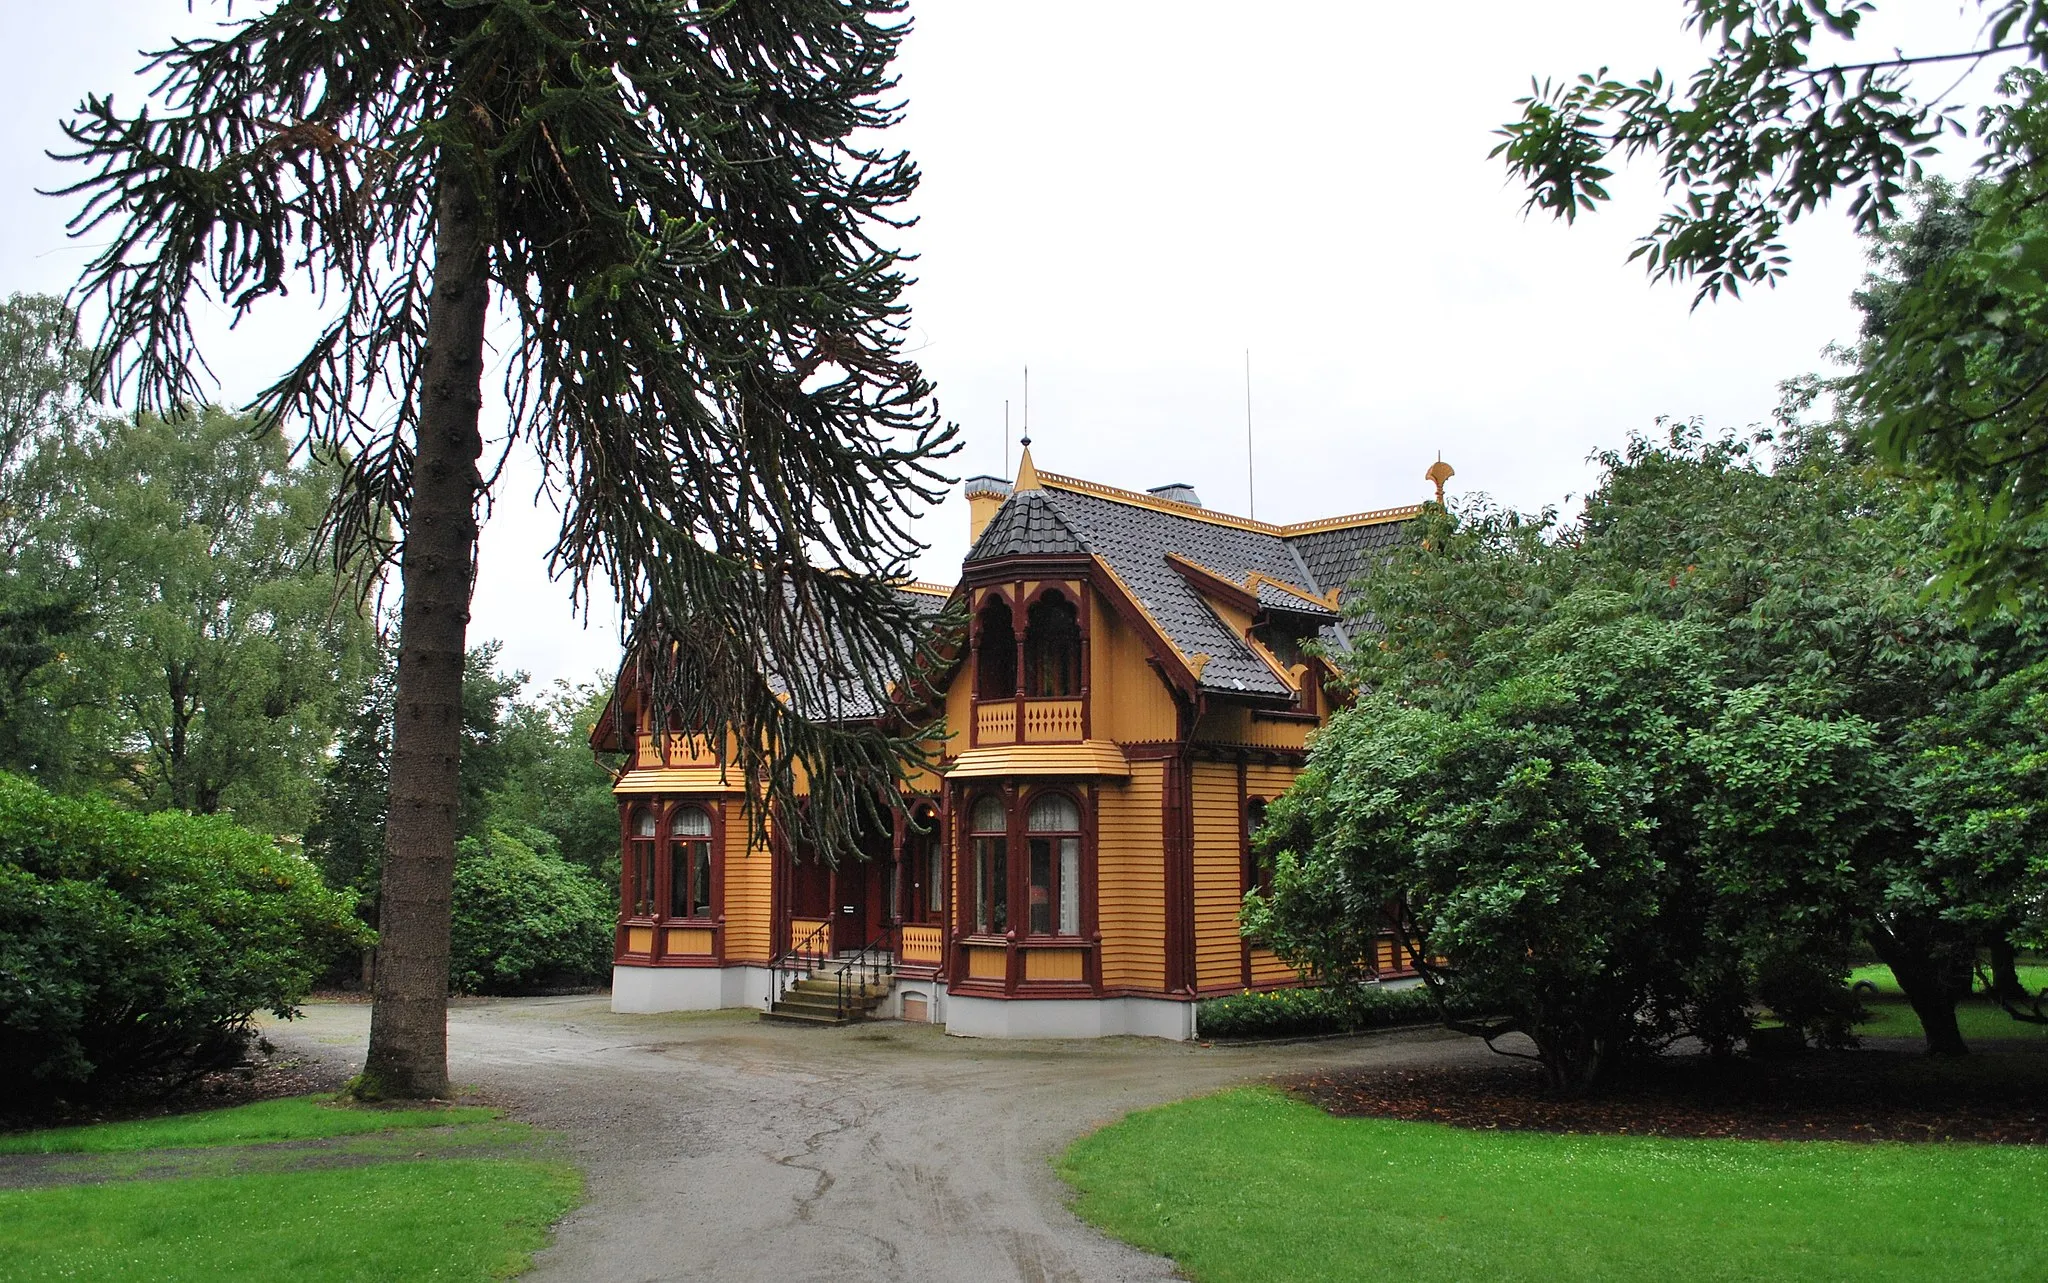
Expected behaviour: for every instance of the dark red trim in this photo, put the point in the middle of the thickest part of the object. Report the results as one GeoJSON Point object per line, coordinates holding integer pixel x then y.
{"type": "Point", "coordinates": [980, 574]}
{"type": "Point", "coordinates": [1244, 866]}
{"type": "Point", "coordinates": [1177, 846]}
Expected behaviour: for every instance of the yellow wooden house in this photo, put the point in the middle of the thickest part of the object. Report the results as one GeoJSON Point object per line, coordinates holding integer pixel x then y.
{"type": "Point", "coordinates": [1135, 690]}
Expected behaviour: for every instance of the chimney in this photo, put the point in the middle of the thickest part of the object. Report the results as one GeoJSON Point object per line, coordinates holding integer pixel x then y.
{"type": "Point", "coordinates": [1178, 492]}
{"type": "Point", "coordinates": [985, 496]}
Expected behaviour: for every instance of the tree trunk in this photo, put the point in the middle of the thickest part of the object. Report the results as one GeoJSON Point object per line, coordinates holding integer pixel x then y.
{"type": "Point", "coordinates": [1923, 973]}
{"type": "Point", "coordinates": [2005, 971]}
{"type": "Point", "coordinates": [409, 1018]}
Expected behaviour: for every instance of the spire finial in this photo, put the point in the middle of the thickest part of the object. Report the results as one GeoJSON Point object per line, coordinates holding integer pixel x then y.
{"type": "Point", "coordinates": [1027, 473]}
{"type": "Point", "coordinates": [1439, 472]}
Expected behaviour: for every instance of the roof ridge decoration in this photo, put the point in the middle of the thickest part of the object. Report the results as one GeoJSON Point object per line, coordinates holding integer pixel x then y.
{"type": "Point", "coordinates": [924, 588]}
{"type": "Point", "coordinates": [1173, 507]}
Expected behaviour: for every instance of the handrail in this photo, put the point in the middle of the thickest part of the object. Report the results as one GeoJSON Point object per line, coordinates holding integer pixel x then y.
{"type": "Point", "coordinates": [867, 963]}
{"type": "Point", "coordinates": [797, 961]}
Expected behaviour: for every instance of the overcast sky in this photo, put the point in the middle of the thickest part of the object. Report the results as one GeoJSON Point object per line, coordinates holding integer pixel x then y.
{"type": "Point", "coordinates": [1126, 196]}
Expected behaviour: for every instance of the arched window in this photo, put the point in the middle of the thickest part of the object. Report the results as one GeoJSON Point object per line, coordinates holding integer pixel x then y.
{"type": "Point", "coordinates": [1053, 826]}
{"type": "Point", "coordinates": [996, 656]}
{"type": "Point", "coordinates": [1258, 874]}
{"type": "Point", "coordinates": [1052, 649]}
{"type": "Point", "coordinates": [924, 855]}
{"type": "Point", "coordinates": [689, 863]}
{"type": "Point", "coordinates": [640, 865]}
{"type": "Point", "coordinates": [989, 835]}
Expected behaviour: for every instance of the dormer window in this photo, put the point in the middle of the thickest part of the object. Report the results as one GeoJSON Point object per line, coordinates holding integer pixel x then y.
{"type": "Point", "coordinates": [1052, 649]}
{"type": "Point", "coordinates": [996, 652]}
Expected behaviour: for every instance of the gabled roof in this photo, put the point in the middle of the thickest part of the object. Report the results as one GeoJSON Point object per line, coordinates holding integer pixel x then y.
{"type": "Point", "coordinates": [1299, 569]}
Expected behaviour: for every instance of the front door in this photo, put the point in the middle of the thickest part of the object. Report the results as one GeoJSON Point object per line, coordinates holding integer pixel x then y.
{"type": "Point", "coordinates": [852, 911]}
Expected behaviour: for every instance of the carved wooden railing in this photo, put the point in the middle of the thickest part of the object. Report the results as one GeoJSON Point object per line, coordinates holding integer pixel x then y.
{"type": "Point", "coordinates": [1046, 721]}
{"type": "Point", "coordinates": [1052, 721]}
{"type": "Point", "coordinates": [996, 723]}
{"type": "Point", "coordinates": [802, 929]}
{"type": "Point", "coordinates": [922, 946]}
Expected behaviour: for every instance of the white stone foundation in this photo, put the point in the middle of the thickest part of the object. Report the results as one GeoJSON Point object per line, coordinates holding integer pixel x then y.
{"type": "Point", "coordinates": [1069, 1018]}
{"type": "Point", "coordinates": [919, 1001]}
{"type": "Point", "coordinates": [645, 990]}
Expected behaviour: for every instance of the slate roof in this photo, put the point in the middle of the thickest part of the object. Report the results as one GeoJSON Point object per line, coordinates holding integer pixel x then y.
{"type": "Point", "coordinates": [1274, 597]}
{"type": "Point", "coordinates": [849, 700]}
{"type": "Point", "coordinates": [1133, 536]}
{"type": "Point", "coordinates": [1026, 525]}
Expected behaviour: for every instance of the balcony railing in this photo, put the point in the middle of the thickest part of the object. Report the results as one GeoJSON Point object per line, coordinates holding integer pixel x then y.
{"type": "Point", "coordinates": [1046, 721]}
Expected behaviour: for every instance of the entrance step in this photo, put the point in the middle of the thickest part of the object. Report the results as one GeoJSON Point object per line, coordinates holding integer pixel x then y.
{"type": "Point", "coordinates": [816, 999]}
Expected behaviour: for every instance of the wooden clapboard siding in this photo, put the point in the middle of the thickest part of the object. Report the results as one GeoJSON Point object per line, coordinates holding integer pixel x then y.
{"type": "Point", "coordinates": [958, 710]}
{"type": "Point", "coordinates": [1236, 724]}
{"type": "Point", "coordinates": [1128, 702]}
{"type": "Point", "coordinates": [1269, 970]}
{"type": "Point", "coordinates": [749, 891]}
{"type": "Point", "coordinates": [1131, 882]}
{"type": "Point", "coordinates": [1268, 782]}
{"type": "Point", "coordinates": [1219, 878]}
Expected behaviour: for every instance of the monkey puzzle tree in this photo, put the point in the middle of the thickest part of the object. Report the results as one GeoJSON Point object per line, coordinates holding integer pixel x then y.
{"type": "Point", "coordinates": [675, 212]}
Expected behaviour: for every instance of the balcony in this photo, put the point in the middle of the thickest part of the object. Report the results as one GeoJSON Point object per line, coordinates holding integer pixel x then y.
{"type": "Point", "coordinates": [1046, 721]}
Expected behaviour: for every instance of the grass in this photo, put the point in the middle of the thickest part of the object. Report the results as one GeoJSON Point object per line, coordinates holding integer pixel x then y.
{"type": "Point", "coordinates": [296, 1118]}
{"type": "Point", "coordinates": [368, 1193]}
{"type": "Point", "coordinates": [2033, 978]}
{"type": "Point", "coordinates": [453, 1219]}
{"type": "Point", "coordinates": [1251, 1185]}
{"type": "Point", "coordinates": [1978, 1017]}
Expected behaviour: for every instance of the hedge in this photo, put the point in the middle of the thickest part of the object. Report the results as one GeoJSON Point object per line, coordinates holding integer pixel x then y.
{"type": "Point", "coordinates": [142, 945]}
{"type": "Point", "coordinates": [1300, 1013]}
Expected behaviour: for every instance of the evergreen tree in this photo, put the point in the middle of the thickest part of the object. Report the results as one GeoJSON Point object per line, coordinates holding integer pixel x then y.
{"type": "Point", "coordinates": [677, 208]}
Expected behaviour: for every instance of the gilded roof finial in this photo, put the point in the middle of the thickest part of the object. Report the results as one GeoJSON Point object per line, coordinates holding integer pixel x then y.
{"type": "Point", "coordinates": [1439, 472]}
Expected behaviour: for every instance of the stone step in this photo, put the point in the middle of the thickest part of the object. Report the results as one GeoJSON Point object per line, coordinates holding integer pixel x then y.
{"type": "Point", "coordinates": [781, 1014]}
{"type": "Point", "coordinates": [830, 988]}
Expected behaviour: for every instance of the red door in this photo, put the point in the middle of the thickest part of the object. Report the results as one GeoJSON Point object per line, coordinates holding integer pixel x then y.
{"type": "Point", "coordinates": [851, 910]}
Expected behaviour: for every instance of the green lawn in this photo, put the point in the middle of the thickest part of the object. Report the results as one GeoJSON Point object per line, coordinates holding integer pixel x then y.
{"type": "Point", "coordinates": [297, 1118]}
{"type": "Point", "coordinates": [371, 1194]}
{"type": "Point", "coordinates": [1251, 1185]}
{"type": "Point", "coordinates": [1978, 1017]}
{"type": "Point", "coordinates": [450, 1219]}
{"type": "Point", "coordinates": [2034, 978]}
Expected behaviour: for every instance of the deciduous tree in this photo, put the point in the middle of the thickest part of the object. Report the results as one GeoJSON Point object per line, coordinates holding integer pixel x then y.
{"type": "Point", "coordinates": [219, 642]}
{"type": "Point", "coordinates": [1789, 113]}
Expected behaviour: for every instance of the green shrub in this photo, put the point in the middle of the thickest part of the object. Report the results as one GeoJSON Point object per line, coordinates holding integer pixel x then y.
{"type": "Point", "coordinates": [1301, 1013]}
{"type": "Point", "coordinates": [135, 946]}
{"type": "Point", "coordinates": [524, 918]}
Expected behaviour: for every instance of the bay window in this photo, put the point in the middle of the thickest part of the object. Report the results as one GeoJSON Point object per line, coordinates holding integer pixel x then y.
{"type": "Point", "coordinates": [989, 839]}
{"type": "Point", "coordinates": [689, 872]}
{"type": "Point", "coordinates": [1053, 836]}
{"type": "Point", "coordinates": [640, 865]}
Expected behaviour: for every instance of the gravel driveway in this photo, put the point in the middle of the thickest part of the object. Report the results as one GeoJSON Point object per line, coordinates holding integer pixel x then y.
{"type": "Point", "coordinates": [720, 1147]}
